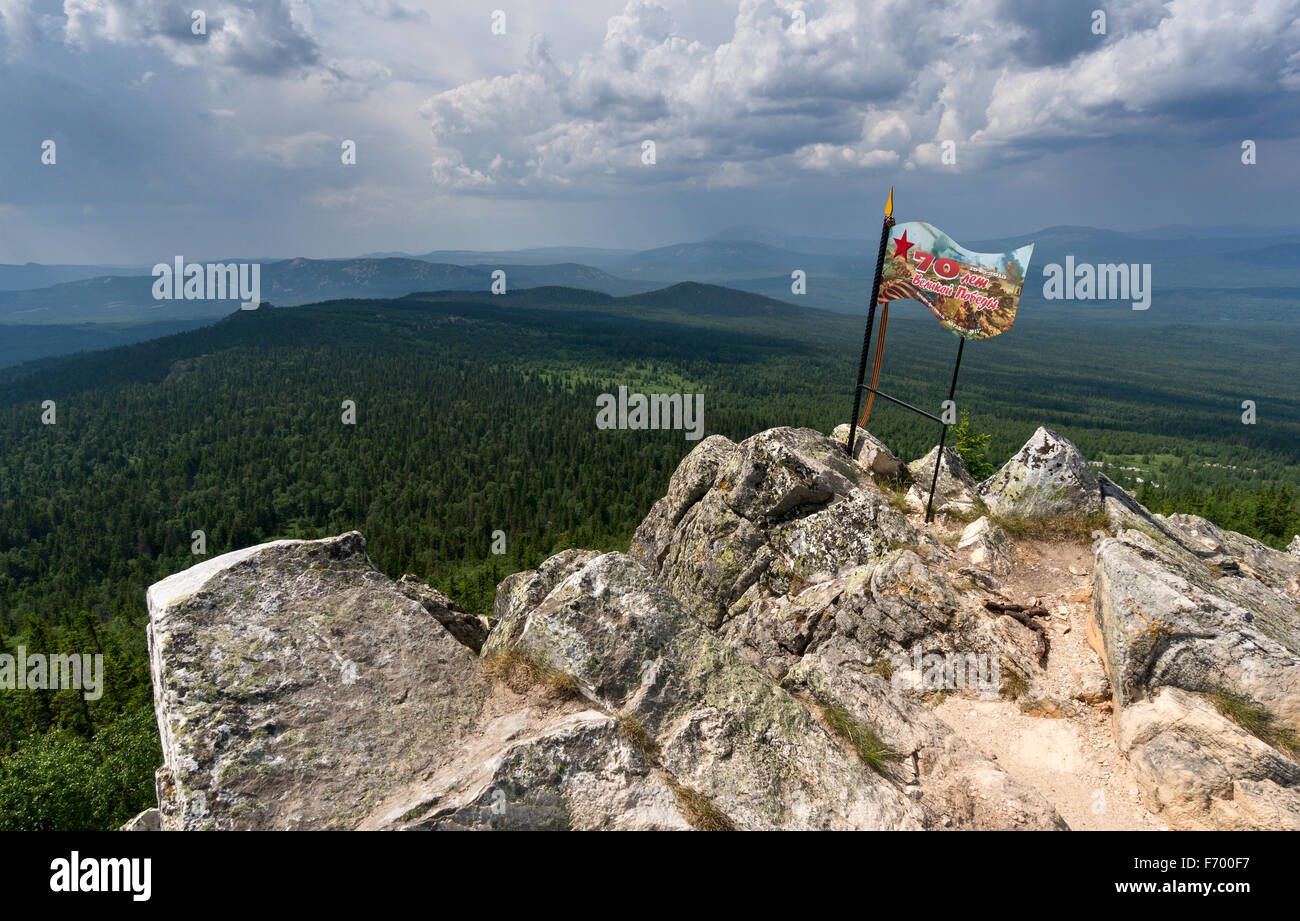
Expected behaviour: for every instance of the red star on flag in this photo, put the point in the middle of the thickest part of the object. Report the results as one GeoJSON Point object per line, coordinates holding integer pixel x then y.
{"type": "Point", "coordinates": [901, 245]}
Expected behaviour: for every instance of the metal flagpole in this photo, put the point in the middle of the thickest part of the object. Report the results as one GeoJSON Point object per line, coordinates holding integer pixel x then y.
{"type": "Point", "coordinates": [938, 460]}
{"type": "Point", "coordinates": [871, 317]}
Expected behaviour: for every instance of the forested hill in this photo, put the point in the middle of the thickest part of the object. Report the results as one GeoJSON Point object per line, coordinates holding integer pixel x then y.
{"type": "Point", "coordinates": [476, 414]}
{"type": "Point", "coordinates": [717, 300]}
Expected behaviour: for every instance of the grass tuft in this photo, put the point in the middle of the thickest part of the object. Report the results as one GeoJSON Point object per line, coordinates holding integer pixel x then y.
{"type": "Point", "coordinates": [1075, 528]}
{"type": "Point", "coordinates": [630, 728]}
{"type": "Point", "coordinates": [695, 807]}
{"type": "Point", "coordinates": [699, 810]}
{"type": "Point", "coordinates": [1014, 684]}
{"type": "Point", "coordinates": [521, 673]}
{"type": "Point", "coordinates": [895, 489]}
{"type": "Point", "coordinates": [1257, 720]}
{"type": "Point", "coordinates": [864, 738]}
{"type": "Point", "coordinates": [966, 516]}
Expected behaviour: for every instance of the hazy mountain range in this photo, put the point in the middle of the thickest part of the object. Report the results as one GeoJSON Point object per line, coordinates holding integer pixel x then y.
{"type": "Point", "coordinates": [1242, 273]}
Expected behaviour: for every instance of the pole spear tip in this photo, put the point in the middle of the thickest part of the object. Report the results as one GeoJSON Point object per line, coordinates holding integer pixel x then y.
{"type": "Point", "coordinates": [889, 205]}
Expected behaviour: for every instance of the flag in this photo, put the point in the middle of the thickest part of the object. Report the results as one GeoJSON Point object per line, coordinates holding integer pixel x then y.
{"type": "Point", "coordinates": [973, 294]}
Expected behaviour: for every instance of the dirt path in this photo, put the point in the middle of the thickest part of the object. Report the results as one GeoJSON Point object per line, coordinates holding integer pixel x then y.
{"type": "Point", "coordinates": [1071, 758]}
{"type": "Point", "coordinates": [1073, 763]}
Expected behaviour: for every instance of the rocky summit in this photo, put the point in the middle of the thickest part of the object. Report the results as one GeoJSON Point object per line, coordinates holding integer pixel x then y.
{"type": "Point", "coordinates": [787, 644]}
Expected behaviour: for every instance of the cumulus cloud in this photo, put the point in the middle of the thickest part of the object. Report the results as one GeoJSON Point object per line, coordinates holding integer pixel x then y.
{"type": "Point", "coordinates": [21, 26]}
{"type": "Point", "coordinates": [860, 87]}
{"type": "Point", "coordinates": [267, 38]}
{"type": "Point", "coordinates": [1199, 54]}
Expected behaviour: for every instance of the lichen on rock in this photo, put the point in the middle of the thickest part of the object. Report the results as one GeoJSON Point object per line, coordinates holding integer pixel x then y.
{"type": "Point", "coordinates": [293, 682]}
{"type": "Point", "coordinates": [1047, 476]}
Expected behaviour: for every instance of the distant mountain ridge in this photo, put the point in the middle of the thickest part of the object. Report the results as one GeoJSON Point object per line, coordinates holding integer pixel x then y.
{"type": "Point", "coordinates": [1234, 269]}
{"type": "Point", "coordinates": [35, 275]}
{"type": "Point", "coordinates": [290, 282]}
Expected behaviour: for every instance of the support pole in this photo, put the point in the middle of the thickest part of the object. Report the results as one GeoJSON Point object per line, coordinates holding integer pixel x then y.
{"type": "Point", "coordinates": [871, 318]}
{"type": "Point", "coordinates": [943, 437]}
{"type": "Point", "coordinates": [896, 400]}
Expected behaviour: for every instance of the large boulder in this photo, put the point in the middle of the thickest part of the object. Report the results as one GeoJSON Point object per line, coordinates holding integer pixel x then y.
{"type": "Point", "coordinates": [294, 685]}
{"type": "Point", "coordinates": [776, 586]}
{"type": "Point", "coordinates": [574, 771]}
{"type": "Point", "coordinates": [784, 508]}
{"type": "Point", "coordinates": [148, 820]}
{"type": "Point", "coordinates": [1046, 478]}
{"type": "Point", "coordinates": [872, 454]}
{"type": "Point", "coordinates": [468, 629]}
{"type": "Point", "coordinates": [1203, 771]}
{"type": "Point", "coordinates": [718, 727]}
{"type": "Point", "coordinates": [1170, 616]}
{"type": "Point", "coordinates": [954, 491]}
{"type": "Point", "coordinates": [1189, 614]}
{"type": "Point", "coordinates": [886, 605]}
{"type": "Point", "coordinates": [884, 609]}
{"type": "Point", "coordinates": [522, 591]}
{"type": "Point", "coordinates": [989, 546]}
{"type": "Point", "coordinates": [1294, 547]}
{"type": "Point", "coordinates": [836, 586]}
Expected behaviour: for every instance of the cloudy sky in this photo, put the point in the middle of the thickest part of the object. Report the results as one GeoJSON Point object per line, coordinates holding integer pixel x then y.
{"type": "Point", "coordinates": [795, 114]}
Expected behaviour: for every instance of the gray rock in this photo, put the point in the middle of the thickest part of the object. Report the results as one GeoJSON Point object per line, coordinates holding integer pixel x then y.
{"type": "Point", "coordinates": [294, 685]}
{"type": "Point", "coordinates": [954, 782]}
{"type": "Point", "coordinates": [837, 581]}
{"type": "Point", "coordinates": [989, 546]}
{"type": "Point", "coordinates": [953, 492]}
{"type": "Point", "coordinates": [149, 820]}
{"type": "Point", "coordinates": [574, 772]}
{"type": "Point", "coordinates": [1294, 546]}
{"type": "Point", "coordinates": [872, 454]}
{"type": "Point", "coordinates": [1046, 477]}
{"type": "Point", "coordinates": [520, 592]}
{"type": "Point", "coordinates": [468, 629]}
{"type": "Point", "coordinates": [1245, 556]}
{"type": "Point", "coordinates": [885, 608]}
{"type": "Point", "coordinates": [1169, 618]}
{"type": "Point", "coordinates": [785, 471]}
{"type": "Point", "coordinates": [782, 509]}
{"type": "Point", "coordinates": [1184, 610]}
{"type": "Point", "coordinates": [297, 687]}
{"type": "Point", "coordinates": [1093, 684]}
{"type": "Point", "coordinates": [885, 605]}
{"type": "Point", "coordinates": [1203, 771]}
{"type": "Point", "coordinates": [1123, 511]}
{"type": "Point", "coordinates": [718, 727]}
